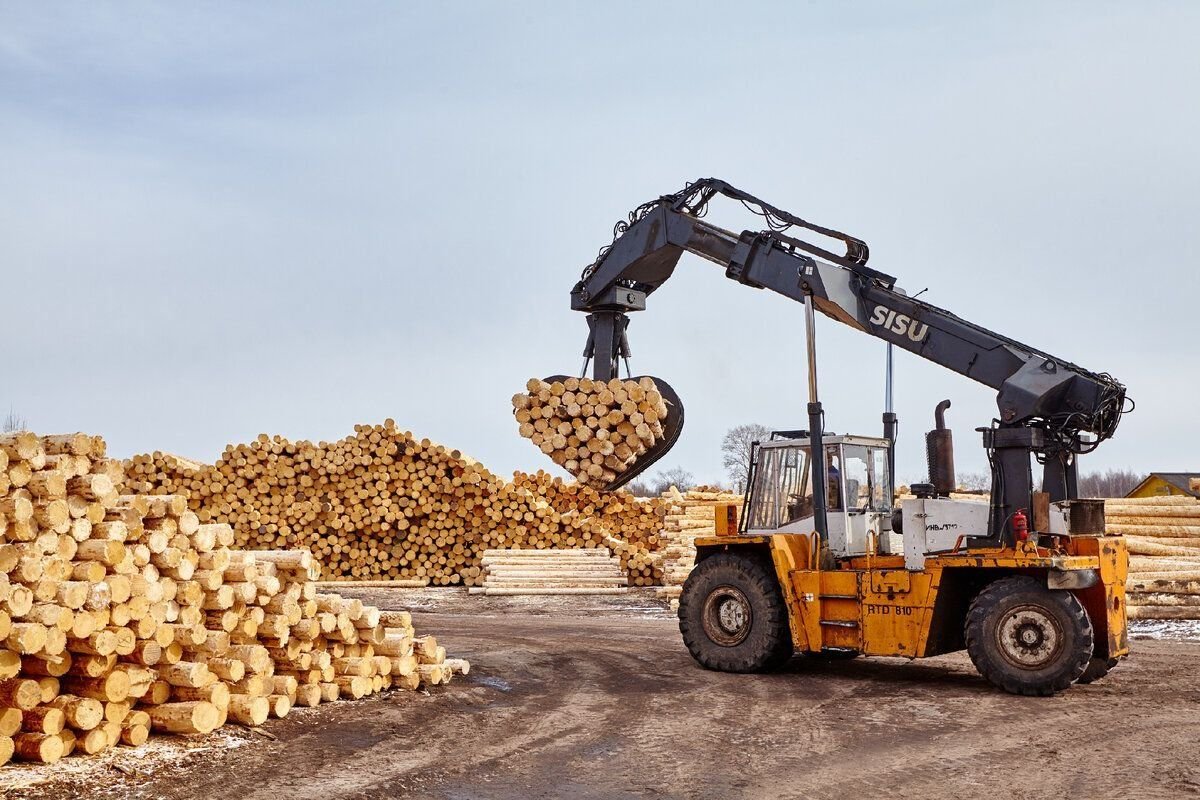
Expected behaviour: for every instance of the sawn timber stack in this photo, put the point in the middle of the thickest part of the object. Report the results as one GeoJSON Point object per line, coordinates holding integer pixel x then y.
{"type": "Point", "coordinates": [1163, 536]}
{"type": "Point", "coordinates": [550, 572]}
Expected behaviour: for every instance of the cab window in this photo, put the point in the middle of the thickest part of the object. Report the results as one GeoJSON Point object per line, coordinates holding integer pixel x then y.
{"type": "Point", "coordinates": [856, 474]}
{"type": "Point", "coordinates": [881, 484]}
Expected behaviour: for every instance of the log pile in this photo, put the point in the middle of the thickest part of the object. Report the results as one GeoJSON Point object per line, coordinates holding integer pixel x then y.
{"type": "Point", "coordinates": [383, 505]}
{"type": "Point", "coordinates": [592, 429]}
{"type": "Point", "coordinates": [123, 614]}
{"type": "Point", "coordinates": [551, 572]}
{"type": "Point", "coordinates": [637, 520]}
{"type": "Point", "coordinates": [689, 515]}
{"type": "Point", "coordinates": [1163, 536]}
{"type": "Point", "coordinates": [378, 504]}
{"type": "Point", "coordinates": [628, 526]}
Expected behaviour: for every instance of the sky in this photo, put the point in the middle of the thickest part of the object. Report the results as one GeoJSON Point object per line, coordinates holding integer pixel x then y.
{"type": "Point", "coordinates": [223, 219]}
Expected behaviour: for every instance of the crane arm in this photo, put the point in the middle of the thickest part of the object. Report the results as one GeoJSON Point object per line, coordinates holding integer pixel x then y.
{"type": "Point", "coordinates": [1032, 386]}
{"type": "Point", "coordinates": [1047, 406]}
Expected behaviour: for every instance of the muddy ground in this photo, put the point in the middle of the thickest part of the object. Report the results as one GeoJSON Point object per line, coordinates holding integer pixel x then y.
{"type": "Point", "coordinates": [596, 698]}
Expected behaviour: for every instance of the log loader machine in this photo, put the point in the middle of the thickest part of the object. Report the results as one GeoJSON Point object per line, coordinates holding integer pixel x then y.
{"type": "Point", "coordinates": [820, 558]}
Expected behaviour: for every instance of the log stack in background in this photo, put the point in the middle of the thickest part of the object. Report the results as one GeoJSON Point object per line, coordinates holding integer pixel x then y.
{"type": "Point", "coordinates": [122, 614]}
{"type": "Point", "coordinates": [551, 572]}
{"type": "Point", "coordinates": [1163, 536]}
{"type": "Point", "coordinates": [382, 504]}
{"type": "Point", "coordinates": [592, 429]}
{"type": "Point", "coordinates": [689, 515]}
{"type": "Point", "coordinates": [628, 526]}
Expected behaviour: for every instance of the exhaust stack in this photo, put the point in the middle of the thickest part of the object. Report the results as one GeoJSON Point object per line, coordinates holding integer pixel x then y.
{"type": "Point", "coordinates": [939, 453]}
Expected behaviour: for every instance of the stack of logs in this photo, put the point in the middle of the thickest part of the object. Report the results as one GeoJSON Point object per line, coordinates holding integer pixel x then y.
{"type": "Point", "coordinates": [628, 526]}
{"type": "Point", "coordinates": [592, 429]}
{"type": "Point", "coordinates": [1163, 536]}
{"type": "Point", "coordinates": [123, 613]}
{"type": "Point", "coordinates": [551, 572]}
{"type": "Point", "coordinates": [689, 515]}
{"type": "Point", "coordinates": [382, 504]}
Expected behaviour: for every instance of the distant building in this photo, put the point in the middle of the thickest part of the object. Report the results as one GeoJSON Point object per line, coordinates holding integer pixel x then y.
{"type": "Point", "coordinates": [1160, 484]}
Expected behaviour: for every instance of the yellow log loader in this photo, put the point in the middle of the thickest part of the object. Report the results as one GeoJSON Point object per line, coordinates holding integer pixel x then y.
{"type": "Point", "coordinates": [821, 558]}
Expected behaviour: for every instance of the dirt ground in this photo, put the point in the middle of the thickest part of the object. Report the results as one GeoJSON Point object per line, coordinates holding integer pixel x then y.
{"type": "Point", "coordinates": [597, 698]}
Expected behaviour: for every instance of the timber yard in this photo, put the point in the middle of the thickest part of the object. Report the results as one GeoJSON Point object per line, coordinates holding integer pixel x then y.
{"type": "Point", "coordinates": [349, 449]}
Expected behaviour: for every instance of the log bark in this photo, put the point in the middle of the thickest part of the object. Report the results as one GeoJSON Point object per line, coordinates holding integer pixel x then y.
{"type": "Point", "coordinates": [186, 717]}
{"type": "Point", "coordinates": [20, 693]}
{"type": "Point", "coordinates": [43, 719]}
{"type": "Point", "coordinates": [249, 710]}
{"type": "Point", "coordinates": [42, 747]}
{"type": "Point", "coordinates": [1164, 612]}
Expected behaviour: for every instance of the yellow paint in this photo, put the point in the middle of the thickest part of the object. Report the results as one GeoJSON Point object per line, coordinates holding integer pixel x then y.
{"type": "Point", "coordinates": [873, 605]}
{"type": "Point", "coordinates": [725, 516]}
{"type": "Point", "coordinates": [1155, 486]}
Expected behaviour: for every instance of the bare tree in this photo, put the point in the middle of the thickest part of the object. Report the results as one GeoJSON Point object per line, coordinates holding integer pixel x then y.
{"type": "Point", "coordinates": [678, 477]}
{"type": "Point", "coordinates": [13, 422]}
{"type": "Point", "coordinates": [735, 451]}
{"type": "Point", "coordinates": [1109, 483]}
{"type": "Point", "coordinates": [974, 481]}
{"type": "Point", "coordinates": [639, 489]}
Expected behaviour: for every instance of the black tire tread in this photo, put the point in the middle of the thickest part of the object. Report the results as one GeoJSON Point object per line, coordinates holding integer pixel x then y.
{"type": "Point", "coordinates": [775, 641]}
{"type": "Point", "coordinates": [978, 647]}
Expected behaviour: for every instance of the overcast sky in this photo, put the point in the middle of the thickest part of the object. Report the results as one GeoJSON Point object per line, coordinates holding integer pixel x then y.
{"type": "Point", "coordinates": [224, 219]}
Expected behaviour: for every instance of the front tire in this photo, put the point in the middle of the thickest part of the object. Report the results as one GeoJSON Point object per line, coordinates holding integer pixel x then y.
{"type": "Point", "coordinates": [1027, 639]}
{"type": "Point", "coordinates": [732, 615]}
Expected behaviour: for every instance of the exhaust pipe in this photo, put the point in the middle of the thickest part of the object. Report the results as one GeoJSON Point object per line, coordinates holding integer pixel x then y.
{"type": "Point", "coordinates": [939, 453]}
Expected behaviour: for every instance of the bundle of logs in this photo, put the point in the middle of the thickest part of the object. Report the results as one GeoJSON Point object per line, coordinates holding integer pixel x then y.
{"type": "Point", "coordinates": [689, 515]}
{"type": "Point", "coordinates": [551, 572]}
{"type": "Point", "coordinates": [592, 429]}
{"type": "Point", "coordinates": [383, 505]}
{"type": "Point", "coordinates": [1163, 536]}
{"type": "Point", "coordinates": [122, 614]}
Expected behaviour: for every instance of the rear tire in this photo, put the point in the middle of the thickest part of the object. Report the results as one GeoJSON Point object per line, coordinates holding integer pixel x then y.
{"type": "Point", "coordinates": [1027, 639]}
{"type": "Point", "coordinates": [732, 615]}
{"type": "Point", "coordinates": [1097, 668]}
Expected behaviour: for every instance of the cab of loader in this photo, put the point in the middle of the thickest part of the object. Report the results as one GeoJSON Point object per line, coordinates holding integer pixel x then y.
{"type": "Point", "coordinates": [858, 493]}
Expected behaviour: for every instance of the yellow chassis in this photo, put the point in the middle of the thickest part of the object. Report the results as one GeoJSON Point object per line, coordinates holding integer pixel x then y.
{"type": "Point", "coordinates": [873, 605]}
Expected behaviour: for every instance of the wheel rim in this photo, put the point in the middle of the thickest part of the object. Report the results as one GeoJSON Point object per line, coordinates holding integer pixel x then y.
{"type": "Point", "coordinates": [727, 616]}
{"type": "Point", "coordinates": [1029, 637]}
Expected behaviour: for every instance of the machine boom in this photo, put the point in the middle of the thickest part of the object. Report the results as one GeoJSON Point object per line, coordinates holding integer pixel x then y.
{"type": "Point", "coordinates": [1047, 406]}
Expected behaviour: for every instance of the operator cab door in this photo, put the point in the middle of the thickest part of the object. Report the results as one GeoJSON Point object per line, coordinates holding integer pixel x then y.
{"type": "Point", "coordinates": [779, 498]}
{"type": "Point", "coordinates": [860, 491]}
